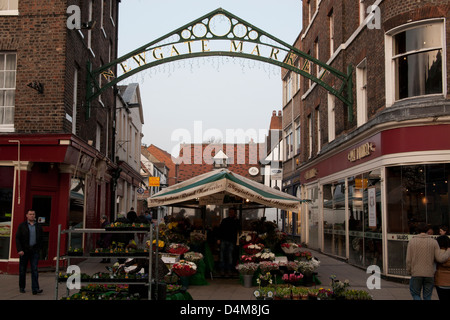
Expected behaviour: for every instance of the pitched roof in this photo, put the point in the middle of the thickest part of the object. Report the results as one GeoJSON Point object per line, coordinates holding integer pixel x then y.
{"type": "Point", "coordinates": [196, 159]}
{"type": "Point", "coordinates": [164, 157]}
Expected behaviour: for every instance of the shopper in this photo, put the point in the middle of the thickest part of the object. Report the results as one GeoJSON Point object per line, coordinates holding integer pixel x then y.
{"type": "Point", "coordinates": [28, 243]}
{"type": "Point", "coordinates": [228, 232]}
{"type": "Point", "coordinates": [442, 275]}
{"type": "Point", "coordinates": [132, 215]}
{"type": "Point", "coordinates": [422, 253]}
{"type": "Point", "coordinates": [443, 230]}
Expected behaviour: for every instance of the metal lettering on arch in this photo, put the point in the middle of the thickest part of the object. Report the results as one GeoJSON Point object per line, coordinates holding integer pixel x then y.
{"type": "Point", "coordinates": [221, 33]}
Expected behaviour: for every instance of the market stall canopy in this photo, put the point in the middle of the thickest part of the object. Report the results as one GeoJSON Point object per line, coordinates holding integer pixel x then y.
{"type": "Point", "coordinates": [220, 187]}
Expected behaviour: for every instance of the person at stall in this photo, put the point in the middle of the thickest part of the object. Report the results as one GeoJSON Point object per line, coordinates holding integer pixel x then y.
{"type": "Point", "coordinates": [227, 237]}
{"type": "Point", "coordinates": [442, 275]}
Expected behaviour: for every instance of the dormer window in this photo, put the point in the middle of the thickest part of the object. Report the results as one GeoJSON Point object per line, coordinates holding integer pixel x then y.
{"type": "Point", "coordinates": [220, 160]}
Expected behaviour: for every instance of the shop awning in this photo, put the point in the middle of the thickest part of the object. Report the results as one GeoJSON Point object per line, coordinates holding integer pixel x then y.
{"type": "Point", "coordinates": [223, 187]}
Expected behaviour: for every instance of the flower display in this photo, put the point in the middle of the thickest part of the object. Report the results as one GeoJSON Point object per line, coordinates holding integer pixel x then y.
{"type": "Point", "coordinates": [197, 237]}
{"type": "Point", "coordinates": [253, 248]}
{"type": "Point", "coordinates": [177, 248]}
{"type": "Point", "coordinates": [184, 268]}
{"type": "Point", "coordinates": [264, 279]}
{"type": "Point", "coordinates": [193, 256]}
{"type": "Point", "coordinates": [248, 258]}
{"type": "Point", "coordinates": [307, 267]}
{"type": "Point", "coordinates": [290, 247]}
{"type": "Point", "coordinates": [267, 266]}
{"type": "Point", "coordinates": [338, 286]}
{"type": "Point", "coordinates": [292, 278]}
{"type": "Point", "coordinates": [161, 244]}
{"type": "Point", "coordinates": [306, 255]}
{"type": "Point", "coordinates": [247, 268]}
{"type": "Point", "coordinates": [265, 256]}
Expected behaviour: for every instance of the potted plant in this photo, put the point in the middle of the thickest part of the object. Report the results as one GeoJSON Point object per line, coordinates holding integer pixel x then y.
{"type": "Point", "coordinates": [264, 279]}
{"type": "Point", "coordinates": [283, 293]}
{"type": "Point", "coordinates": [339, 287]}
{"type": "Point", "coordinates": [247, 270]}
{"type": "Point", "coordinates": [300, 293]}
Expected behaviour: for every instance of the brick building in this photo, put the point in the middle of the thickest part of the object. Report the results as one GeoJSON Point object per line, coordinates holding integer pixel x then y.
{"type": "Point", "coordinates": [376, 169]}
{"type": "Point", "coordinates": [56, 153]}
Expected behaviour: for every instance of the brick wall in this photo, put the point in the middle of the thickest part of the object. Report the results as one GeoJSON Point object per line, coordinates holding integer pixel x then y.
{"type": "Point", "coordinates": [48, 52]}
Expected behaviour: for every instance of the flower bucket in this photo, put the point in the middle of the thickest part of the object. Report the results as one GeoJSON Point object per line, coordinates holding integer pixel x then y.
{"type": "Point", "coordinates": [247, 279]}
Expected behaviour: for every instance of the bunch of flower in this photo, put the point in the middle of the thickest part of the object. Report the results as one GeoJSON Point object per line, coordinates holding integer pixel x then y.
{"type": "Point", "coordinates": [193, 256]}
{"type": "Point", "coordinates": [307, 267]}
{"type": "Point", "coordinates": [173, 288]}
{"type": "Point", "coordinates": [248, 258]}
{"type": "Point", "coordinates": [161, 244]}
{"type": "Point", "coordinates": [184, 268]}
{"type": "Point", "coordinates": [357, 295]}
{"type": "Point", "coordinates": [292, 277]}
{"type": "Point", "coordinates": [264, 278]}
{"type": "Point", "coordinates": [248, 237]}
{"type": "Point", "coordinates": [267, 266]}
{"type": "Point", "coordinates": [292, 265]}
{"type": "Point", "coordinates": [290, 247]}
{"type": "Point", "coordinates": [177, 248]}
{"type": "Point", "coordinates": [265, 256]}
{"type": "Point", "coordinates": [247, 268]}
{"type": "Point", "coordinates": [253, 248]}
{"type": "Point", "coordinates": [304, 254]}
{"type": "Point", "coordinates": [338, 286]}
{"type": "Point", "coordinates": [324, 294]}
{"type": "Point", "coordinates": [197, 237]}
{"type": "Point", "coordinates": [171, 278]}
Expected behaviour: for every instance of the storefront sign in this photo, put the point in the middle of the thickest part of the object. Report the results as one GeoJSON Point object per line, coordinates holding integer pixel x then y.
{"type": "Point", "coordinates": [372, 198]}
{"type": "Point", "coordinates": [312, 173]}
{"type": "Point", "coordinates": [361, 152]}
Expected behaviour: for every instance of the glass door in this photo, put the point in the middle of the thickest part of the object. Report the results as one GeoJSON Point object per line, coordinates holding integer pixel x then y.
{"type": "Point", "coordinates": [43, 204]}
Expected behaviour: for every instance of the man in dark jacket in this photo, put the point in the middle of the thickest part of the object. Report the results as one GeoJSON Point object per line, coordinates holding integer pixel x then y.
{"type": "Point", "coordinates": [228, 231]}
{"type": "Point", "coordinates": [28, 244]}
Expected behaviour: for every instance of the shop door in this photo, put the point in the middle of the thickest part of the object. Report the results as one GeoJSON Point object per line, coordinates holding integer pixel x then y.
{"type": "Point", "coordinates": [43, 203]}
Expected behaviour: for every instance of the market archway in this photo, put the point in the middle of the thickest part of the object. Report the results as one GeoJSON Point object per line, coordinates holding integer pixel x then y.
{"type": "Point", "coordinates": [220, 33]}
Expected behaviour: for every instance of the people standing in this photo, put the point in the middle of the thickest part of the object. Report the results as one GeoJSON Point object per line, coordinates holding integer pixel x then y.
{"type": "Point", "coordinates": [29, 238]}
{"type": "Point", "coordinates": [443, 230]}
{"type": "Point", "coordinates": [132, 215]}
{"type": "Point", "coordinates": [421, 254]}
{"type": "Point", "coordinates": [442, 275]}
{"type": "Point", "coordinates": [228, 231]}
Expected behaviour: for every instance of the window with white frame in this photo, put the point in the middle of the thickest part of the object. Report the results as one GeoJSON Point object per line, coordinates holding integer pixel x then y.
{"type": "Point", "coordinates": [9, 7]}
{"type": "Point", "coordinates": [331, 117]}
{"type": "Point", "coordinates": [362, 11]}
{"type": "Point", "coordinates": [316, 55]}
{"type": "Point", "coordinates": [288, 143]}
{"type": "Point", "coordinates": [361, 93]}
{"type": "Point", "coordinates": [7, 89]}
{"type": "Point", "coordinates": [415, 56]}
{"type": "Point", "coordinates": [331, 31]}
{"type": "Point", "coordinates": [310, 136]}
{"type": "Point", "coordinates": [289, 87]}
{"type": "Point", "coordinates": [298, 136]}
{"type": "Point", "coordinates": [89, 32]}
{"type": "Point", "coordinates": [318, 129]}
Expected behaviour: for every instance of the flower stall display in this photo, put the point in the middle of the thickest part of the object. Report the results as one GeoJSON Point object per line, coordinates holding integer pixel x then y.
{"type": "Point", "coordinates": [193, 256]}
{"type": "Point", "coordinates": [197, 238]}
{"type": "Point", "coordinates": [283, 293]}
{"type": "Point", "coordinates": [300, 293]}
{"type": "Point", "coordinates": [265, 256]}
{"type": "Point", "coordinates": [308, 267]}
{"type": "Point", "coordinates": [292, 278]}
{"type": "Point", "coordinates": [264, 279]}
{"type": "Point", "coordinates": [253, 248]}
{"type": "Point", "coordinates": [268, 266]}
{"type": "Point", "coordinates": [290, 247]}
{"type": "Point", "coordinates": [338, 287]}
{"type": "Point", "coordinates": [245, 258]}
{"type": "Point", "coordinates": [177, 248]}
{"type": "Point", "coordinates": [248, 268]}
{"type": "Point", "coordinates": [184, 268]}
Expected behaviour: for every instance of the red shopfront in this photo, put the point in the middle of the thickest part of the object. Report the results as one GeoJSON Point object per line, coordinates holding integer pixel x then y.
{"type": "Point", "coordinates": [406, 171]}
{"type": "Point", "coordinates": [45, 172]}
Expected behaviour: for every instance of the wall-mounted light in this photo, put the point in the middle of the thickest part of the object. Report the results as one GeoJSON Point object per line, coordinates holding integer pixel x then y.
{"type": "Point", "coordinates": [36, 85]}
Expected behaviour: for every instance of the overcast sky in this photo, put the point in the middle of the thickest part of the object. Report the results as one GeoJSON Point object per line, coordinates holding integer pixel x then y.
{"type": "Point", "coordinates": [195, 100]}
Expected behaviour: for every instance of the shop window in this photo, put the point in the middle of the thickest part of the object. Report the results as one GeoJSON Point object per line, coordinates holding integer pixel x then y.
{"type": "Point", "coordinates": [6, 204]}
{"type": "Point", "coordinates": [364, 219]}
{"type": "Point", "coordinates": [415, 194]}
{"type": "Point", "coordinates": [416, 58]}
{"type": "Point", "coordinates": [313, 217]}
{"type": "Point", "coordinates": [334, 218]}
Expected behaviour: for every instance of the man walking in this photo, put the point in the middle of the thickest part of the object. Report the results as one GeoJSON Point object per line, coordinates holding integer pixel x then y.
{"type": "Point", "coordinates": [228, 231]}
{"type": "Point", "coordinates": [422, 253]}
{"type": "Point", "coordinates": [28, 243]}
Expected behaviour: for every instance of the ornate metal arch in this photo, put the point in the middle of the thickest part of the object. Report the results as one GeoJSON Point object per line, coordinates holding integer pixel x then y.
{"type": "Point", "coordinates": [230, 36]}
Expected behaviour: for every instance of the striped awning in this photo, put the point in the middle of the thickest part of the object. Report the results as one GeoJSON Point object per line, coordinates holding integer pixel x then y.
{"type": "Point", "coordinates": [223, 182]}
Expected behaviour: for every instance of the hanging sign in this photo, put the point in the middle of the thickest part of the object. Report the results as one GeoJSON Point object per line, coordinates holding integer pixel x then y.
{"type": "Point", "coordinates": [153, 181]}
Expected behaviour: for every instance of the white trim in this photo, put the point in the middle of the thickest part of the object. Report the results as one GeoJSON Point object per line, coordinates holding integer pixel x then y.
{"type": "Point", "coordinates": [9, 12]}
